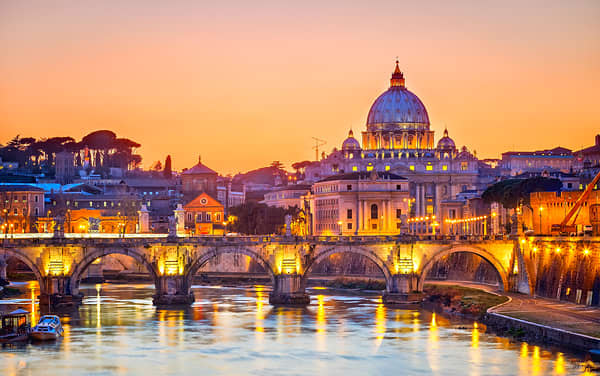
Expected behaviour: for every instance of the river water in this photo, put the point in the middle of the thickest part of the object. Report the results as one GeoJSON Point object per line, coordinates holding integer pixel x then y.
{"type": "Point", "coordinates": [229, 330]}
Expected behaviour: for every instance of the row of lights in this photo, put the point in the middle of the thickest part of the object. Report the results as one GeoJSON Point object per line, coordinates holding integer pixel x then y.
{"type": "Point", "coordinates": [586, 251]}
{"type": "Point", "coordinates": [464, 220]}
{"type": "Point", "coordinates": [421, 219]}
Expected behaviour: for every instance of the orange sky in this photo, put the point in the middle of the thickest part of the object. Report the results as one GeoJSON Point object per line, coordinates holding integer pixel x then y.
{"type": "Point", "coordinates": [246, 83]}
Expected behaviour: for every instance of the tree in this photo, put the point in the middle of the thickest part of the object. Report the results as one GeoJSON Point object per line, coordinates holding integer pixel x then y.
{"type": "Point", "coordinates": [156, 166]}
{"type": "Point", "coordinates": [514, 192]}
{"type": "Point", "coordinates": [167, 173]}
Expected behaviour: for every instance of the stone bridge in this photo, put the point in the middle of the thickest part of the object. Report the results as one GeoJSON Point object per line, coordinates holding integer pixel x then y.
{"type": "Point", "coordinates": [60, 262]}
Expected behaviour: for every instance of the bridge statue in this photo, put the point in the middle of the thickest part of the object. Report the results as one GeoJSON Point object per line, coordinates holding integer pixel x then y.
{"type": "Point", "coordinates": [59, 263]}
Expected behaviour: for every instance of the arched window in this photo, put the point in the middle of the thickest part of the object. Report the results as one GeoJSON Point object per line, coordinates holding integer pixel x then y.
{"type": "Point", "coordinates": [374, 212]}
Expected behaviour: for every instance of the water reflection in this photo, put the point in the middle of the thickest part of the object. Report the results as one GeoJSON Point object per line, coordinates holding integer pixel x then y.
{"type": "Point", "coordinates": [235, 331]}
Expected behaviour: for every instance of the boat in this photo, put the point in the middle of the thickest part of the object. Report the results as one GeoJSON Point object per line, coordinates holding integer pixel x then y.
{"type": "Point", "coordinates": [47, 329]}
{"type": "Point", "coordinates": [15, 326]}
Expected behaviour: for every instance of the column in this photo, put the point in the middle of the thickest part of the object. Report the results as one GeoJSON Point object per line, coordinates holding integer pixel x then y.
{"type": "Point", "coordinates": [288, 290]}
{"type": "Point", "coordinates": [384, 227]}
{"type": "Point", "coordinates": [365, 216]}
{"type": "Point", "coordinates": [391, 214]}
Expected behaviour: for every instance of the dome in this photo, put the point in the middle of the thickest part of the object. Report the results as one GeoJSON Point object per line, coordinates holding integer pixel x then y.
{"type": "Point", "coordinates": [350, 143]}
{"type": "Point", "coordinates": [397, 107]}
{"type": "Point", "coordinates": [446, 142]}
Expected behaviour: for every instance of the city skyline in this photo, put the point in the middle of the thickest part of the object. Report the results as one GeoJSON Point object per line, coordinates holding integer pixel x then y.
{"type": "Point", "coordinates": [217, 80]}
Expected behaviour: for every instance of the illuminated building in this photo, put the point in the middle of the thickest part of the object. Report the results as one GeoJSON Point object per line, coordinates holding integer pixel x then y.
{"type": "Point", "coordinates": [286, 196]}
{"type": "Point", "coordinates": [93, 221]}
{"type": "Point", "coordinates": [20, 205]}
{"type": "Point", "coordinates": [590, 156]}
{"type": "Point", "coordinates": [398, 139]}
{"type": "Point", "coordinates": [359, 203]}
{"type": "Point", "coordinates": [523, 161]}
{"type": "Point", "coordinates": [204, 216]}
{"type": "Point", "coordinates": [198, 179]}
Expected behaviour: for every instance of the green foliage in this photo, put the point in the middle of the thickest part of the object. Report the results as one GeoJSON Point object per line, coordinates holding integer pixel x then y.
{"type": "Point", "coordinates": [360, 284]}
{"type": "Point", "coordinates": [514, 192]}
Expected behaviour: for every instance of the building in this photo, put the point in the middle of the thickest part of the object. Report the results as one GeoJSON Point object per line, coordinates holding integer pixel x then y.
{"type": "Point", "coordinates": [550, 208]}
{"type": "Point", "coordinates": [359, 203]}
{"type": "Point", "coordinates": [198, 179]}
{"type": "Point", "coordinates": [590, 157]}
{"type": "Point", "coordinates": [92, 221]}
{"type": "Point", "coordinates": [20, 205]}
{"type": "Point", "coordinates": [559, 158]}
{"type": "Point", "coordinates": [287, 196]}
{"type": "Point", "coordinates": [204, 216]}
{"type": "Point", "coordinates": [64, 163]}
{"type": "Point", "coordinates": [398, 139]}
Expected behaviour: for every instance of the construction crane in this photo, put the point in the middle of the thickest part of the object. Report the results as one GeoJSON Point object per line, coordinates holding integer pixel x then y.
{"type": "Point", "coordinates": [318, 143]}
{"type": "Point", "coordinates": [568, 226]}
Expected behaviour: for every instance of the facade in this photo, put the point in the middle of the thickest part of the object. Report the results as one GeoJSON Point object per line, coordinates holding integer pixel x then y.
{"type": "Point", "coordinates": [204, 215]}
{"type": "Point", "coordinates": [65, 167]}
{"type": "Point", "coordinates": [92, 221]}
{"type": "Point", "coordinates": [590, 156]}
{"type": "Point", "coordinates": [20, 205]}
{"type": "Point", "coordinates": [550, 208]}
{"type": "Point", "coordinates": [398, 139]}
{"type": "Point", "coordinates": [359, 203]}
{"type": "Point", "coordinates": [198, 179]}
{"type": "Point", "coordinates": [287, 196]}
{"type": "Point", "coordinates": [559, 158]}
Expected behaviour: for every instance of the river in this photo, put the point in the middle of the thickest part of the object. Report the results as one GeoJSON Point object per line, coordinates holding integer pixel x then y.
{"type": "Point", "coordinates": [230, 330]}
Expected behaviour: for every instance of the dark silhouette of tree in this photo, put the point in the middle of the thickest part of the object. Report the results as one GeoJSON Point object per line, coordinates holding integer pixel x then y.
{"type": "Point", "coordinates": [514, 192]}
{"type": "Point", "coordinates": [167, 172]}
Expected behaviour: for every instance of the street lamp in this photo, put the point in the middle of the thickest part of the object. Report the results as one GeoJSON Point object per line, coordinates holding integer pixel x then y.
{"type": "Point", "coordinates": [541, 209]}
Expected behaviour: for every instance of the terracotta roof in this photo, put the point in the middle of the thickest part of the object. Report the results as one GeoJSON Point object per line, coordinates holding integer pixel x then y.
{"type": "Point", "coordinates": [199, 169]}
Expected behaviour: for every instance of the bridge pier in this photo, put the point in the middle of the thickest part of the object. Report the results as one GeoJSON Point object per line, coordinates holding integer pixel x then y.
{"type": "Point", "coordinates": [3, 266]}
{"type": "Point", "coordinates": [288, 289]}
{"type": "Point", "coordinates": [402, 289]}
{"type": "Point", "coordinates": [55, 293]}
{"type": "Point", "coordinates": [172, 290]}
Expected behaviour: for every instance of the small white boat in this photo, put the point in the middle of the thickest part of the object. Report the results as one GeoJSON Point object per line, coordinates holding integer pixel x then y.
{"type": "Point", "coordinates": [48, 328]}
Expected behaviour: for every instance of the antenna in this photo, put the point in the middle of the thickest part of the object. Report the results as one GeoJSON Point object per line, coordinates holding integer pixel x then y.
{"type": "Point", "coordinates": [318, 143]}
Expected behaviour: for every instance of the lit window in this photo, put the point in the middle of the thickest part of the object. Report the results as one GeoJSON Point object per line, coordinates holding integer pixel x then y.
{"type": "Point", "coordinates": [444, 167]}
{"type": "Point", "coordinates": [91, 204]}
{"type": "Point", "coordinates": [387, 168]}
{"type": "Point", "coordinates": [354, 168]}
{"type": "Point", "coordinates": [412, 167]}
{"type": "Point", "coordinates": [464, 166]}
{"type": "Point", "coordinates": [369, 168]}
{"type": "Point", "coordinates": [429, 167]}
{"type": "Point", "coordinates": [208, 217]}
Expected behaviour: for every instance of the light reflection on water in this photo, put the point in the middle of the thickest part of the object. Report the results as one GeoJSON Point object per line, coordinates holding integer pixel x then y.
{"type": "Point", "coordinates": [236, 331]}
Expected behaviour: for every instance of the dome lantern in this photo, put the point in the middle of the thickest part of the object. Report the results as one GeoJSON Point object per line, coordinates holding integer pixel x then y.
{"type": "Point", "coordinates": [397, 77]}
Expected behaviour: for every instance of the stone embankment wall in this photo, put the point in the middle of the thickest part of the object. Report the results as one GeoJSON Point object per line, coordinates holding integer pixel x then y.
{"type": "Point", "coordinates": [540, 333]}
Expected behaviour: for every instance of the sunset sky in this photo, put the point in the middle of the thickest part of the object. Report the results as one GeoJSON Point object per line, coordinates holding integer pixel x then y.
{"type": "Point", "coordinates": [244, 83]}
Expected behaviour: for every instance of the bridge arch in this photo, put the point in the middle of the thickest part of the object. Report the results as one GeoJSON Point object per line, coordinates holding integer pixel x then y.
{"type": "Point", "coordinates": [30, 264]}
{"type": "Point", "coordinates": [365, 252]}
{"type": "Point", "coordinates": [96, 253]}
{"type": "Point", "coordinates": [481, 252]}
{"type": "Point", "coordinates": [214, 252]}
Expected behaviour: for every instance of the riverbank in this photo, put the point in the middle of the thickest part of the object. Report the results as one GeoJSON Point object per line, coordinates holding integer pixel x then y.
{"type": "Point", "coordinates": [462, 301]}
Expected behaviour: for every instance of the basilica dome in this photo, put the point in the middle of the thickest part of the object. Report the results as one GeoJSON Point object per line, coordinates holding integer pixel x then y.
{"type": "Point", "coordinates": [397, 108]}
{"type": "Point", "coordinates": [446, 142]}
{"type": "Point", "coordinates": [350, 143]}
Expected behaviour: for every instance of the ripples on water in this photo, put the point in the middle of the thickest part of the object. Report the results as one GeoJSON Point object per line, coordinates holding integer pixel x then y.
{"type": "Point", "coordinates": [117, 330]}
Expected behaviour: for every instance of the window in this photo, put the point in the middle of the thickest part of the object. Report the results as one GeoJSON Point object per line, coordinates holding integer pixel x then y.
{"type": "Point", "coordinates": [387, 168]}
{"type": "Point", "coordinates": [369, 168]}
{"type": "Point", "coordinates": [429, 167]}
{"type": "Point", "coordinates": [412, 167]}
{"type": "Point", "coordinates": [218, 217]}
{"type": "Point", "coordinates": [374, 212]}
{"type": "Point", "coordinates": [91, 204]}
{"type": "Point", "coordinates": [349, 226]}
{"type": "Point", "coordinates": [398, 187]}
{"type": "Point", "coordinates": [24, 211]}
{"type": "Point", "coordinates": [374, 226]}
{"type": "Point", "coordinates": [37, 211]}
{"type": "Point", "coordinates": [208, 217]}
{"type": "Point", "coordinates": [464, 166]}
{"type": "Point", "coordinates": [76, 203]}
{"type": "Point", "coordinates": [398, 213]}
{"type": "Point", "coordinates": [35, 198]}
{"type": "Point", "coordinates": [189, 217]}
{"type": "Point", "coordinates": [199, 217]}
{"type": "Point", "coordinates": [349, 187]}
{"type": "Point", "coordinates": [349, 214]}
{"type": "Point", "coordinates": [354, 168]}
{"type": "Point", "coordinates": [24, 198]}
{"type": "Point", "coordinates": [104, 203]}
{"type": "Point", "coordinates": [15, 211]}
{"type": "Point", "coordinates": [444, 167]}
{"type": "Point", "coordinates": [398, 225]}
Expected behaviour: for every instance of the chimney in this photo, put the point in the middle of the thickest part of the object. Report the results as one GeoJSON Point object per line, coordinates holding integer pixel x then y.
{"type": "Point", "coordinates": [598, 140]}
